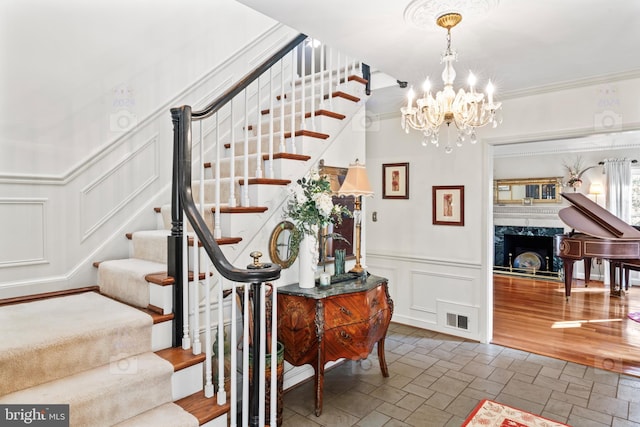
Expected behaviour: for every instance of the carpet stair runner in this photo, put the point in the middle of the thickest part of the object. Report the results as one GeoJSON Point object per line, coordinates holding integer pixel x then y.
{"type": "Point", "coordinates": [100, 364]}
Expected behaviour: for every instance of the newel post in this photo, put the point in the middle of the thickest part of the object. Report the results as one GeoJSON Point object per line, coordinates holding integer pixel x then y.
{"type": "Point", "coordinates": [174, 246]}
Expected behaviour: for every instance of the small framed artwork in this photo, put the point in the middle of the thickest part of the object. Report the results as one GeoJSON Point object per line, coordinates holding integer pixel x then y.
{"type": "Point", "coordinates": [395, 181]}
{"type": "Point", "coordinates": [448, 205]}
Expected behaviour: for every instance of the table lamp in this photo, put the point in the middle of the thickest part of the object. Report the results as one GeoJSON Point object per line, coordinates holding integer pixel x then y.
{"type": "Point", "coordinates": [356, 184]}
{"type": "Point", "coordinates": [595, 189]}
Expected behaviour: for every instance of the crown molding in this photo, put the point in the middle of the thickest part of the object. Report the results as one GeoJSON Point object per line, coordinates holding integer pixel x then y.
{"type": "Point", "coordinates": [572, 84]}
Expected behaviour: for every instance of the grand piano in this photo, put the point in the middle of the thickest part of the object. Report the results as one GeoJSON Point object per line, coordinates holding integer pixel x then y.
{"type": "Point", "coordinates": [597, 233]}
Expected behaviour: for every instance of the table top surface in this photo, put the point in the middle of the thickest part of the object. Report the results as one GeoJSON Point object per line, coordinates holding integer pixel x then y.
{"type": "Point", "coordinates": [358, 284]}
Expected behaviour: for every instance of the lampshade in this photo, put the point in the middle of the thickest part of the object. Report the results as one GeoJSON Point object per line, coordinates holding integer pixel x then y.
{"type": "Point", "coordinates": [596, 188]}
{"type": "Point", "coordinates": [356, 183]}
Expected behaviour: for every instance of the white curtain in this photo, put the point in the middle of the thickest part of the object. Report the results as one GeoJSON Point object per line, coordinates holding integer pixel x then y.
{"type": "Point", "coordinates": [618, 187]}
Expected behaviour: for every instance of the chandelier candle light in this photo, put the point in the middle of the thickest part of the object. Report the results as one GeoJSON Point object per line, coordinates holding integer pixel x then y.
{"type": "Point", "coordinates": [466, 110]}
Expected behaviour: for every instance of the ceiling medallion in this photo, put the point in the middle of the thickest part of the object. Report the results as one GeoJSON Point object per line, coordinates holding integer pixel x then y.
{"type": "Point", "coordinates": [422, 13]}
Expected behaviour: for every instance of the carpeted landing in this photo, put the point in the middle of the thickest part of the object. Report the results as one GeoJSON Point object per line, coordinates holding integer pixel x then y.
{"type": "Point", "coordinates": [92, 353]}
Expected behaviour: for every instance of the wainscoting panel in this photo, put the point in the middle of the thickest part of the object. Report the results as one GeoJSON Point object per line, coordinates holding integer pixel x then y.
{"type": "Point", "coordinates": [435, 294]}
{"type": "Point", "coordinates": [28, 247]}
{"type": "Point", "coordinates": [109, 193]}
{"type": "Point", "coordinates": [425, 284]}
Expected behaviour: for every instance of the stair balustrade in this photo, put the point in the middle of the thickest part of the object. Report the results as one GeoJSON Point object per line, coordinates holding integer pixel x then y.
{"type": "Point", "coordinates": [296, 81]}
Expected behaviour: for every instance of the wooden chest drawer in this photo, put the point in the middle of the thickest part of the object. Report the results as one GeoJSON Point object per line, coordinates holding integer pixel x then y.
{"type": "Point", "coordinates": [355, 307]}
{"type": "Point", "coordinates": [344, 320]}
{"type": "Point", "coordinates": [356, 340]}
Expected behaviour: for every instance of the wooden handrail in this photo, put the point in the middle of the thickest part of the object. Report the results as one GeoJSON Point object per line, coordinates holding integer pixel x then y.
{"type": "Point", "coordinates": [182, 134]}
{"type": "Point", "coordinates": [244, 82]}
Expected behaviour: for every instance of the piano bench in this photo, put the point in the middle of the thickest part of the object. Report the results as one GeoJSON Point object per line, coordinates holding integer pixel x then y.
{"type": "Point", "coordinates": [627, 266]}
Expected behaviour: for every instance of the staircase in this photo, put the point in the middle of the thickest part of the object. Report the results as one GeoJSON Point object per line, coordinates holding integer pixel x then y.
{"type": "Point", "coordinates": [121, 353]}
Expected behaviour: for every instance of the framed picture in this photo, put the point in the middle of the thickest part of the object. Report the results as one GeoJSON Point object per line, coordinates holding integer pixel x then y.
{"type": "Point", "coordinates": [448, 205]}
{"type": "Point", "coordinates": [395, 181]}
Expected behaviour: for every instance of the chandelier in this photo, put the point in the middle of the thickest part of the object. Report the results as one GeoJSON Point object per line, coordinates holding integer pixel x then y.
{"type": "Point", "coordinates": [467, 110]}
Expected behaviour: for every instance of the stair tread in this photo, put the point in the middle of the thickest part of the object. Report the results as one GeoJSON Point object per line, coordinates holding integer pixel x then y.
{"type": "Point", "coordinates": [181, 358]}
{"type": "Point", "coordinates": [203, 408]}
{"type": "Point", "coordinates": [288, 156]}
{"type": "Point", "coordinates": [161, 232]}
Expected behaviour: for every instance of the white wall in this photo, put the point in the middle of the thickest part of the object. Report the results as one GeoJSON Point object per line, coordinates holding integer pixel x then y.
{"type": "Point", "coordinates": [435, 270]}
{"type": "Point", "coordinates": [72, 184]}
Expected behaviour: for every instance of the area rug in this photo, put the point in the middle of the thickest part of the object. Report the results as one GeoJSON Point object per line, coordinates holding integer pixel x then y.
{"type": "Point", "coordinates": [493, 414]}
{"type": "Point", "coordinates": [635, 316]}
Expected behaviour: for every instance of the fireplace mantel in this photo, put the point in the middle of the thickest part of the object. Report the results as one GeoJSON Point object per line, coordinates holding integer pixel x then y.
{"type": "Point", "coordinates": [528, 216]}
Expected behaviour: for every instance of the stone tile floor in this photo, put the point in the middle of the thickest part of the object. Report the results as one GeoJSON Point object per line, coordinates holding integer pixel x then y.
{"type": "Point", "coordinates": [437, 380]}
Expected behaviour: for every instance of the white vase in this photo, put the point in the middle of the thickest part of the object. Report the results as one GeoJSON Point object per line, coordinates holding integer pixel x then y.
{"type": "Point", "coordinates": [308, 257]}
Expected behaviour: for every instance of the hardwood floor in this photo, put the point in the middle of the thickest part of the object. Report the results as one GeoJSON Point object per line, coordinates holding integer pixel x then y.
{"type": "Point", "coordinates": [592, 328]}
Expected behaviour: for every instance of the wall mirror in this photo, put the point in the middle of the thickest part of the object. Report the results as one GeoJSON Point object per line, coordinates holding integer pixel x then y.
{"type": "Point", "coordinates": [527, 191]}
{"type": "Point", "coordinates": [280, 247]}
{"type": "Point", "coordinates": [336, 176]}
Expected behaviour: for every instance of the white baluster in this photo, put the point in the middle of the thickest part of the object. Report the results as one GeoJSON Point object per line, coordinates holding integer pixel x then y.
{"type": "Point", "coordinates": [322, 71]}
{"type": "Point", "coordinates": [282, 147]}
{"type": "Point", "coordinates": [261, 353]}
{"type": "Point", "coordinates": [245, 187]}
{"type": "Point", "coordinates": [208, 385]}
{"type": "Point", "coordinates": [330, 78]}
{"type": "Point", "coordinates": [234, 355]}
{"type": "Point", "coordinates": [208, 377]}
{"type": "Point", "coordinates": [312, 109]}
{"type": "Point", "coordinates": [274, 354]}
{"type": "Point", "coordinates": [197, 346]}
{"type": "Point", "coordinates": [222, 393]}
{"type": "Point", "coordinates": [259, 132]}
{"type": "Point", "coordinates": [245, 358]}
{"type": "Point", "coordinates": [338, 70]}
{"type": "Point", "coordinates": [271, 96]}
{"type": "Point", "coordinates": [232, 160]}
{"type": "Point", "coordinates": [195, 304]}
{"type": "Point", "coordinates": [353, 68]}
{"type": "Point", "coordinates": [303, 73]}
{"type": "Point", "coordinates": [294, 74]}
{"type": "Point", "coordinates": [346, 70]}
{"type": "Point", "coordinates": [217, 229]}
{"type": "Point", "coordinates": [186, 340]}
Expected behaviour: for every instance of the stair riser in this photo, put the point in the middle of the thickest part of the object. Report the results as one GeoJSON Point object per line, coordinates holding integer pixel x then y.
{"type": "Point", "coordinates": [161, 334]}
{"type": "Point", "coordinates": [264, 194]}
{"type": "Point", "coordinates": [210, 191]}
{"type": "Point", "coordinates": [225, 166]}
{"type": "Point", "coordinates": [187, 381]}
{"type": "Point", "coordinates": [161, 297]}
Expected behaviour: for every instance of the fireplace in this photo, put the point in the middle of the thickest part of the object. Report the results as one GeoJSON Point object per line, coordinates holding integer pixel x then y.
{"type": "Point", "coordinates": [526, 251]}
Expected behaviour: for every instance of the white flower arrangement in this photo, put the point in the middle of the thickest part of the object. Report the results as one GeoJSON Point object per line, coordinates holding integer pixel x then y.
{"type": "Point", "coordinates": [310, 205]}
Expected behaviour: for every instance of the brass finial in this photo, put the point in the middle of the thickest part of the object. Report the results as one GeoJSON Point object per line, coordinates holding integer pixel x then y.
{"type": "Point", "coordinates": [256, 259]}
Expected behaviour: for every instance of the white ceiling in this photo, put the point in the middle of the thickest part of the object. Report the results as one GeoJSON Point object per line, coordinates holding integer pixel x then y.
{"type": "Point", "coordinates": [521, 45]}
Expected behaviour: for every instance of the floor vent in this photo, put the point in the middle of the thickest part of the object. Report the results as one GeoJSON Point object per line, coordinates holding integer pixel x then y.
{"type": "Point", "coordinates": [457, 321]}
